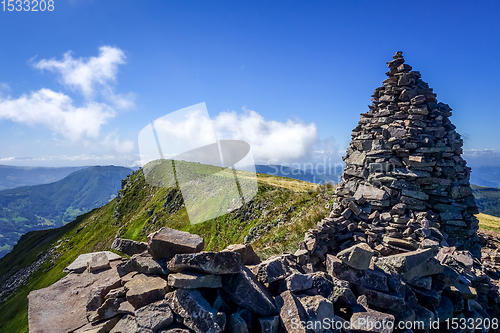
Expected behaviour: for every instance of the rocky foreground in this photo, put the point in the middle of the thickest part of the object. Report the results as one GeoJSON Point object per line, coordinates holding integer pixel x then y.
{"type": "Point", "coordinates": [168, 285]}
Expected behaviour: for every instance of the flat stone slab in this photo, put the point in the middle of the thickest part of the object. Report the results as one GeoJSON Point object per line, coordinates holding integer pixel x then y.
{"type": "Point", "coordinates": [98, 261]}
{"type": "Point", "coordinates": [191, 280]}
{"type": "Point", "coordinates": [207, 262]}
{"type": "Point", "coordinates": [142, 290]}
{"type": "Point", "coordinates": [80, 263]}
{"type": "Point", "coordinates": [61, 308]}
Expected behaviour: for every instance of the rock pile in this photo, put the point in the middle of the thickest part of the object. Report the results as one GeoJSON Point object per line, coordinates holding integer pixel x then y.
{"type": "Point", "coordinates": [404, 176]}
{"type": "Point", "coordinates": [405, 207]}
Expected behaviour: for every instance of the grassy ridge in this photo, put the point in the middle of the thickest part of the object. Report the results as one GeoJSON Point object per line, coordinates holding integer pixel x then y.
{"type": "Point", "coordinates": [278, 216]}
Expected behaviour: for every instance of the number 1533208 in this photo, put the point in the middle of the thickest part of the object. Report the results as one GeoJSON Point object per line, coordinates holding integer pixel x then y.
{"type": "Point", "coordinates": [27, 5]}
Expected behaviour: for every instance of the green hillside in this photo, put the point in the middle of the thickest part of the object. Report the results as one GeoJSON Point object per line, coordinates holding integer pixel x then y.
{"type": "Point", "coordinates": [45, 206]}
{"type": "Point", "coordinates": [487, 199]}
{"type": "Point", "coordinates": [275, 220]}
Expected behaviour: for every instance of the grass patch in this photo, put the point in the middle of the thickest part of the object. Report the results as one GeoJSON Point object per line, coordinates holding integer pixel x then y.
{"type": "Point", "coordinates": [489, 222]}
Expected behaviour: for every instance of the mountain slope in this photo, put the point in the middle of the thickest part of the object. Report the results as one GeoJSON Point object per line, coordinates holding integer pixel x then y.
{"type": "Point", "coordinates": [485, 176]}
{"type": "Point", "coordinates": [16, 176]}
{"type": "Point", "coordinates": [51, 205]}
{"type": "Point", "coordinates": [274, 221]}
{"type": "Point", "coordinates": [487, 199]}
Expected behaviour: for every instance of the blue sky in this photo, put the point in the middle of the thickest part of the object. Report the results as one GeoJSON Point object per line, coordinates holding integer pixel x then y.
{"type": "Point", "coordinates": [304, 69]}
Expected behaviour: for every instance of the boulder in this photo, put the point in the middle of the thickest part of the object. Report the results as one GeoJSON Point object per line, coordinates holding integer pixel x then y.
{"type": "Point", "coordinates": [298, 282]}
{"type": "Point", "coordinates": [128, 246]}
{"type": "Point", "coordinates": [273, 269]}
{"type": "Point", "coordinates": [107, 310]}
{"type": "Point", "coordinates": [99, 290]}
{"type": "Point", "coordinates": [195, 312]}
{"type": "Point", "coordinates": [127, 324]}
{"type": "Point", "coordinates": [142, 290]}
{"type": "Point", "coordinates": [248, 256]}
{"type": "Point", "coordinates": [166, 243]}
{"type": "Point", "coordinates": [373, 321]}
{"type": "Point", "coordinates": [318, 310]}
{"type": "Point", "coordinates": [206, 262]}
{"type": "Point", "coordinates": [141, 263]}
{"type": "Point", "coordinates": [357, 256]}
{"type": "Point", "coordinates": [292, 313]}
{"type": "Point", "coordinates": [244, 290]}
{"type": "Point", "coordinates": [191, 280]}
{"type": "Point", "coordinates": [152, 317]}
{"type": "Point", "coordinates": [404, 262]}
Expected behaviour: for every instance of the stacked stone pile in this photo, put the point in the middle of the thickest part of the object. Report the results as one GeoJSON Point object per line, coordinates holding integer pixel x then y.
{"type": "Point", "coordinates": [404, 176]}
{"type": "Point", "coordinates": [406, 198]}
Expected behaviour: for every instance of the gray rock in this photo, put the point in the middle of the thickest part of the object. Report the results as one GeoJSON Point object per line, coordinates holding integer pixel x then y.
{"type": "Point", "coordinates": [370, 193]}
{"type": "Point", "coordinates": [166, 243]}
{"type": "Point", "coordinates": [273, 269]}
{"type": "Point", "coordinates": [373, 321]}
{"type": "Point", "coordinates": [385, 300]}
{"type": "Point", "coordinates": [194, 280]}
{"type": "Point", "coordinates": [206, 262]}
{"type": "Point", "coordinates": [142, 290]}
{"type": "Point", "coordinates": [98, 261]}
{"type": "Point", "coordinates": [141, 263]}
{"type": "Point", "coordinates": [152, 317]}
{"type": "Point", "coordinates": [298, 282]}
{"type": "Point", "coordinates": [318, 310]}
{"type": "Point", "coordinates": [248, 255]}
{"type": "Point", "coordinates": [99, 290]}
{"type": "Point", "coordinates": [127, 324]}
{"type": "Point", "coordinates": [357, 256]}
{"type": "Point", "coordinates": [195, 311]}
{"type": "Point", "coordinates": [404, 262]}
{"type": "Point", "coordinates": [128, 246]}
{"type": "Point", "coordinates": [107, 310]}
{"type": "Point", "coordinates": [244, 290]}
{"type": "Point", "coordinates": [291, 312]}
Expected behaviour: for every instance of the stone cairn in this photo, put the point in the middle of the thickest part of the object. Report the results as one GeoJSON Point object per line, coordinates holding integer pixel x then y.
{"type": "Point", "coordinates": [400, 251]}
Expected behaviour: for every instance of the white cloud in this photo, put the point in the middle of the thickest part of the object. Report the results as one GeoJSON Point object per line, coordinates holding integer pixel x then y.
{"type": "Point", "coordinates": [113, 143]}
{"type": "Point", "coordinates": [91, 76]}
{"type": "Point", "coordinates": [271, 141]}
{"type": "Point", "coordinates": [482, 157]}
{"type": "Point", "coordinates": [57, 112]}
{"type": "Point", "coordinates": [72, 160]}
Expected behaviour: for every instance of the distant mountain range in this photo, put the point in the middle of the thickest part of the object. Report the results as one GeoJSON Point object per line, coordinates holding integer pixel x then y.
{"type": "Point", "coordinates": [16, 176]}
{"type": "Point", "coordinates": [52, 205]}
{"type": "Point", "coordinates": [485, 176]}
